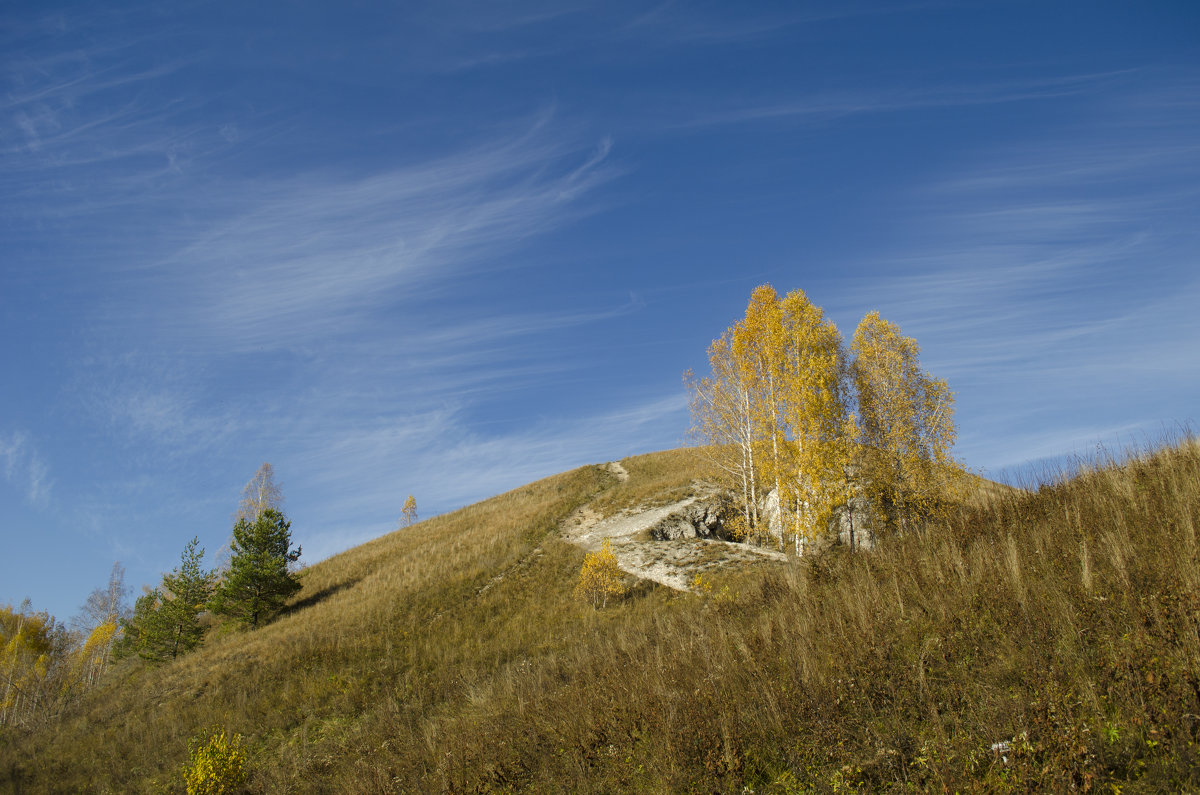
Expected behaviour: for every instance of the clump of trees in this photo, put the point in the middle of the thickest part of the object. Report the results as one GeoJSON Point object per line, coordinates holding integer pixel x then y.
{"type": "Point", "coordinates": [34, 650]}
{"type": "Point", "coordinates": [97, 629]}
{"type": "Point", "coordinates": [257, 579]}
{"type": "Point", "coordinates": [788, 410]}
{"type": "Point", "coordinates": [44, 665]}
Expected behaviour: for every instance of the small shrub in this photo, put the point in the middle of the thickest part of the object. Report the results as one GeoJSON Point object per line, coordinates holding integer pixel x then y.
{"type": "Point", "coordinates": [736, 528]}
{"type": "Point", "coordinates": [216, 765]}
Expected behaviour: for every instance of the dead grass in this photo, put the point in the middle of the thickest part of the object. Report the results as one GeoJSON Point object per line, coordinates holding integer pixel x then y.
{"type": "Point", "coordinates": [982, 492]}
{"type": "Point", "coordinates": [655, 479]}
{"type": "Point", "coordinates": [1063, 621]}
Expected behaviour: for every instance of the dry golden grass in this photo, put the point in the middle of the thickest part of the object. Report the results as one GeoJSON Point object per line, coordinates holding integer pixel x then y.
{"type": "Point", "coordinates": [451, 657]}
{"type": "Point", "coordinates": [982, 492]}
{"type": "Point", "coordinates": [655, 479]}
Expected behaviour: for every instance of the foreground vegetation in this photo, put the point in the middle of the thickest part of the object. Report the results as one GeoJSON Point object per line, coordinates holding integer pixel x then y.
{"type": "Point", "coordinates": [1047, 639]}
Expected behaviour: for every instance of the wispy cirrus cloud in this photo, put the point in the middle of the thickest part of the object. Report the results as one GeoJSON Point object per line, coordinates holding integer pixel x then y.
{"type": "Point", "coordinates": [830, 106]}
{"type": "Point", "coordinates": [24, 468]}
{"type": "Point", "coordinates": [312, 257]}
{"type": "Point", "coordinates": [155, 412]}
{"type": "Point", "coordinates": [678, 22]}
{"type": "Point", "coordinates": [1057, 273]}
{"type": "Point", "coordinates": [90, 125]}
{"type": "Point", "coordinates": [327, 321]}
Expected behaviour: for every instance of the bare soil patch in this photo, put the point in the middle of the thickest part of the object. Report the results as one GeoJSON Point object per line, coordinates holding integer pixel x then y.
{"type": "Point", "coordinates": [674, 564]}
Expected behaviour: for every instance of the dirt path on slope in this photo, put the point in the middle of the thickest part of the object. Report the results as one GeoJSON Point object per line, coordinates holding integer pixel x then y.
{"type": "Point", "coordinates": [674, 564]}
{"type": "Point", "coordinates": [618, 470]}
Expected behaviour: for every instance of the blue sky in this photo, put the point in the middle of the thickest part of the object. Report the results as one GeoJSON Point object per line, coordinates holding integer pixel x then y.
{"type": "Point", "coordinates": [447, 248]}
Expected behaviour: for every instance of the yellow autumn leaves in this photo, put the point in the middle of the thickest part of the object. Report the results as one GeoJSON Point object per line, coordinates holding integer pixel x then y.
{"type": "Point", "coordinates": [600, 577]}
{"type": "Point", "coordinates": [408, 514]}
{"type": "Point", "coordinates": [41, 668]}
{"type": "Point", "coordinates": [26, 646]}
{"type": "Point", "coordinates": [905, 424]}
{"type": "Point", "coordinates": [216, 765]}
{"type": "Point", "coordinates": [789, 412]}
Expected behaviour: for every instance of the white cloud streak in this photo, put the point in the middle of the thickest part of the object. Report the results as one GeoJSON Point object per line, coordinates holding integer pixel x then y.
{"type": "Point", "coordinates": [24, 468]}
{"type": "Point", "coordinates": [320, 326]}
{"type": "Point", "coordinates": [824, 108]}
{"type": "Point", "coordinates": [1053, 275]}
{"type": "Point", "coordinates": [310, 258]}
{"type": "Point", "coordinates": [675, 23]}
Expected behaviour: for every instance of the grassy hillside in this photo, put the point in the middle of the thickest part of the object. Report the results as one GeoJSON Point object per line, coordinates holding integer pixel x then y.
{"type": "Point", "coordinates": [1045, 640]}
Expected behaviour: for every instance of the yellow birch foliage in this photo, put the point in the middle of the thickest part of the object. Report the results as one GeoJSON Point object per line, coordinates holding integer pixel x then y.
{"type": "Point", "coordinates": [906, 423]}
{"type": "Point", "coordinates": [814, 415]}
{"type": "Point", "coordinates": [775, 414]}
{"type": "Point", "coordinates": [600, 577]}
{"type": "Point", "coordinates": [408, 514]}
{"type": "Point", "coordinates": [791, 361]}
{"type": "Point", "coordinates": [92, 658]}
{"type": "Point", "coordinates": [216, 765]}
{"type": "Point", "coordinates": [26, 648]}
{"type": "Point", "coordinates": [758, 349]}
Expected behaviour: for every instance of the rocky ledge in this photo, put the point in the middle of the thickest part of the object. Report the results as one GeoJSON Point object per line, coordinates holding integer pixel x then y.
{"type": "Point", "coordinates": [701, 518]}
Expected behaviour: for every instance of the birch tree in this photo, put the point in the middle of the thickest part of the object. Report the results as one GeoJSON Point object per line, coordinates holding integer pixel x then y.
{"type": "Point", "coordinates": [260, 494]}
{"type": "Point", "coordinates": [758, 350]}
{"type": "Point", "coordinates": [723, 428]}
{"type": "Point", "coordinates": [600, 577]}
{"type": "Point", "coordinates": [408, 514]}
{"type": "Point", "coordinates": [814, 418]}
{"type": "Point", "coordinates": [99, 622]}
{"type": "Point", "coordinates": [906, 421]}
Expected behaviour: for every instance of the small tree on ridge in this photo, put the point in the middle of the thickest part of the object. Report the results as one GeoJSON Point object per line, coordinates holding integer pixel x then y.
{"type": "Point", "coordinates": [408, 515]}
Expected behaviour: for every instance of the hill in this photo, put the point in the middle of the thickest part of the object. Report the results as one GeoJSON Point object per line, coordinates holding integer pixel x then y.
{"type": "Point", "coordinates": [1037, 640]}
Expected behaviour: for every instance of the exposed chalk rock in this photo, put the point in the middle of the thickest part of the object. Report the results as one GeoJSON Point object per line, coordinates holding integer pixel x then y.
{"type": "Point", "coordinates": [703, 518]}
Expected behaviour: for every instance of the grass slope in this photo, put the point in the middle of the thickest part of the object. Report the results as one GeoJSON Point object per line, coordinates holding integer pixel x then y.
{"type": "Point", "coordinates": [451, 657]}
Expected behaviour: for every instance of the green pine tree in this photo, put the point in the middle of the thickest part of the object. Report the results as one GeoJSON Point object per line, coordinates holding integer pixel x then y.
{"type": "Point", "coordinates": [258, 581]}
{"type": "Point", "coordinates": [166, 620]}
